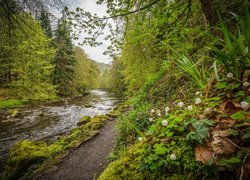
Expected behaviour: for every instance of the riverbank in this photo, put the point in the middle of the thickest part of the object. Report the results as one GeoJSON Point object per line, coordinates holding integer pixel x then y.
{"type": "Point", "coordinates": [88, 161]}
{"type": "Point", "coordinates": [28, 159]}
{"type": "Point", "coordinates": [48, 122]}
{"type": "Point", "coordinates": [17, 103]}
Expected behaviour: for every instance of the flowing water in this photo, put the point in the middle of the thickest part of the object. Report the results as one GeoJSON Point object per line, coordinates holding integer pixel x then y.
{"type": "Point", "coordinates": [47, 122]}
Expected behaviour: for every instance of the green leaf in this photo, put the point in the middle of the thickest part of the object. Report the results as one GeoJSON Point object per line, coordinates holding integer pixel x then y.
{"type": "Point", "coordinates": [160, 149]}
{"type": "Point", "coordinates": [230, 162]}
{"type": "Point", "coordinates": [233, 132]}
{"type": "Point", "coordinates": [240, 115]}
{"type": "Point", "coordinates": [153, 129]}
{"type": "Point", "coordinates": [221, 85]}
{"type": "Point", "coordinates": [246, 135]}
{"type": "Point", "coordinates": [170, 134]}
{"type": "Point", "coordinates": [217, 98]}
{"type": "Point", "coordinates": [201, 129]}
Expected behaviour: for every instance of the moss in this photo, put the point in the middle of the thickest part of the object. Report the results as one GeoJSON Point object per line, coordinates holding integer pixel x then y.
{"type": "Point", "coordinates": [84, 120]}
{"type": "Point", "coordinates": [124, 168]}
{"type": "Point", "coordinates": [11, 103]}
{"type": "Point", "coordinates": [22, 155]}
{"type": "Point", "coordinates": [141, 162]}
{"type": "Point", "coordinates": [55, 148]}
{"type": "Point", "coordinates": [14, 112]}
{"type": "Point", "coordinates": [27, 158]}
{"type": "Point", "coordinates": [97, 122]}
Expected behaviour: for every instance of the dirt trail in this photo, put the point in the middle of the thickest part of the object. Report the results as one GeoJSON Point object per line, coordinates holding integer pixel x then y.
{"type": "Point", "coordinates": [88, 161]}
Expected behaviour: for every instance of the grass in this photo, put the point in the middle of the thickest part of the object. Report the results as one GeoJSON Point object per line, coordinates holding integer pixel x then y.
{"type": "Point", "coordinates": [11, 103]}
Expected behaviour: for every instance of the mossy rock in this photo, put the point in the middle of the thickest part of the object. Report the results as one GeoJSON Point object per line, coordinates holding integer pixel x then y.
{"type": "Point", "coordinates": [97, 122]}
{"type": "Point", "coordinates": [88, 105]}
{"type": "Point", "coordinates": [84, 120]}
{"type": "Point", "coordinates": [22, 156]}
{"type": "Point", "coordinates": [99, 119]}
{"type": "Point", "coordinates": [15, 113]}
{"type": "Point", "coordinates": [56, 148]}
{"type": "Point", "coordinates": [96, 126]}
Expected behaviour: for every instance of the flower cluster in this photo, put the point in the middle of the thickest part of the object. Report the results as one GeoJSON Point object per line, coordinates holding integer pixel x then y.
{"type": "Point", "coordinates": [244, 105]}
{"type": "Point", "coordinates": [140, 139]}
{"type": "Point", "coordinates": [173, 157]}
{"type": "Point", "coordinates": [230, 75]}
{"type": "Point", "coordinates": [164, 122]}
{"type": "Point", "coordinates": [180, 104]}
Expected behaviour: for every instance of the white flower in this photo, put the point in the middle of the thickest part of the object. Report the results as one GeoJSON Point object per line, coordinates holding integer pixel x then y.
{"type": "Point", "coordinates": [167, 109]}
{"type": "Point", "coordinates": [197, 93]}
{"type": "Point", "coordinates": [140, 139]}
{"type": "Point", "coordinates": [158, 114]}
{"type": "Point", "coordinates": [230, 75]}
{"type": "Point", "coordinates": [207, 110]}
{"type": "Point", "coordinates": [166, 113]}
{"type": "Point", "coordinates": [151, 120]}
{"type": "Point", "coordinates": [173, 157]}
{"type": "Point", "coordinates": [164, 122]}
{"type": "Point", "coordinates": [152, 110]}
{"type": "Point", "coordinates": [246, 84]}
{"type": "Point", "coordinates": [190, 108]}
{"type": "Point", "coordinates": [244, 105]}
{"type": "Point", "coordinates": [180, 104]}
{"type": "Point", "coordinates": [197, 100]}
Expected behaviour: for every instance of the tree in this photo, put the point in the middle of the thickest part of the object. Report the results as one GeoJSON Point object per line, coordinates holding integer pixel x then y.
{"type": "Point", "coordinates": [45, 22]}
{"type": "Point", "coordinates": [86, 72]}
{"type": "Point", "coordinates": [65, 59]}
{"type": "Point", "coordinates": [30, 61]}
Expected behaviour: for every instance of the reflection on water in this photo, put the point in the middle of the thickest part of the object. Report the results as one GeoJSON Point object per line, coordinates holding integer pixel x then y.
{"type": "Point", "coordinates": [47, 122]}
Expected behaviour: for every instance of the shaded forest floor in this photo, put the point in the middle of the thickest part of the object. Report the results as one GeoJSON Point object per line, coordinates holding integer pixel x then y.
{"type": "Point", "coordinates": [88, 161]}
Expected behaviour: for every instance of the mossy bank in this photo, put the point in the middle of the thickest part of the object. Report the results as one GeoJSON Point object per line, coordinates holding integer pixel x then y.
{"type": "Point", "coordinates": [27, 159]}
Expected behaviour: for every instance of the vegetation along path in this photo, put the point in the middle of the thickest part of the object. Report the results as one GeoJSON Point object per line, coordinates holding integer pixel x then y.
{"type": "Point", "coordinates": [89, 160]}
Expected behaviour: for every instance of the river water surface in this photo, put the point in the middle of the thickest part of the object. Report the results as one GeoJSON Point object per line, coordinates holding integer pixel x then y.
{"type": "Point", "coordinates": [47, 122]}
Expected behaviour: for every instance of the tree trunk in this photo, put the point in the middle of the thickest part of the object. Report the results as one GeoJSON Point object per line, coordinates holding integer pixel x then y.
{"type": "Point", "coordinates": [209, 11]}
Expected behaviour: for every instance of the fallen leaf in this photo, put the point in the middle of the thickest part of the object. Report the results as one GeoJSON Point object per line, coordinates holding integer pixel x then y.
{"type": "Point", "coordinates": [220, 145]}
{"type": "Point", "coordinates": [203, 152]}
{"type": "Point", "coordinates": [229, 107]}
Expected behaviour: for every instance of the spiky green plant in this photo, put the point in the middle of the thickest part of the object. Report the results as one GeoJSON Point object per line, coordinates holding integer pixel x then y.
{"type": "Point", "coordinates": [234, 54]}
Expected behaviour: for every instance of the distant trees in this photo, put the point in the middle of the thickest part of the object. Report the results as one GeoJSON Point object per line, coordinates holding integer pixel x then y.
{"type": "Point", "coordinates": [37, 63]}
{"type": "Point", "coordinates": [64, 61]}
{"type": "Point", "coordinates": [45, 22]}
{"type": "Point", "coordinates": [26, 61]}
{"type": "Point", "coordinates": [87, 73]}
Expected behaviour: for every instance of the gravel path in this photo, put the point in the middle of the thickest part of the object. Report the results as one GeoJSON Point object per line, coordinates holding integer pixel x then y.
{"type": "Point", "coordinates": [88, 161]}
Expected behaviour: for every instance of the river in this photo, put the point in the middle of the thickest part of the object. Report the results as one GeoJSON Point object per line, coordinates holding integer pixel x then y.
{"type": "Point", "coordinates": [48, 122]}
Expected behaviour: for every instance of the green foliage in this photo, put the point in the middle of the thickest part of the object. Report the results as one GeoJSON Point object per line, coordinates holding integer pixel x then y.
{"type": "Point", "coordinates": [22, 155]}
{"type": "Point", "coordinates": [86, 72]}
{"type": "Point", "coordinates": [30, 62]}
{"type": "Point", "coordinates": [201, 128]}
{"type": "Point", "coordinates": [113, 79]}
{"type": "Point", "coordinates": [26, 158]}
{"type": "Point", "coordinates": [230, 162]}
{"type": "Point", "coordinates": [240, 115]}
{"type": "Point", "coordinates": [10, 103]}
{"type": "Point", "coordinates": [146, 161]}
{"type": "Point", "coordinates": [133, 123]}
{"type": "Point", "coordinates": [234, 54]}
{"type": "Point", "coordinates": [64, 61]}
{"type": "Point", "coordinates": [198, 75]}
{"type": "Point", "coordinates": [45, 22]}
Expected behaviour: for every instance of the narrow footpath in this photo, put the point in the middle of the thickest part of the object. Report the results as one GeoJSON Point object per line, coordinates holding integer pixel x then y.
{"type": "Point", "coordinates": [87, 161]}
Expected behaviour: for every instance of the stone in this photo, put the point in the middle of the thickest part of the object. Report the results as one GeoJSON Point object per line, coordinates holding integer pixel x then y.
{"type": "Point", "coordinates": [23, 155]}
{"type": "Point", "coordinates": [84, 120]}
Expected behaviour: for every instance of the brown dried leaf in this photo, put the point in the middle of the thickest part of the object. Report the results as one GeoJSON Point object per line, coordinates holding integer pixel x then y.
{"type": "Point", "coordinates": [203, 152]}
{"type": "Point", "coordinates": [229, 107]}
{"type": "Point", "coordinates": [220, 145]}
